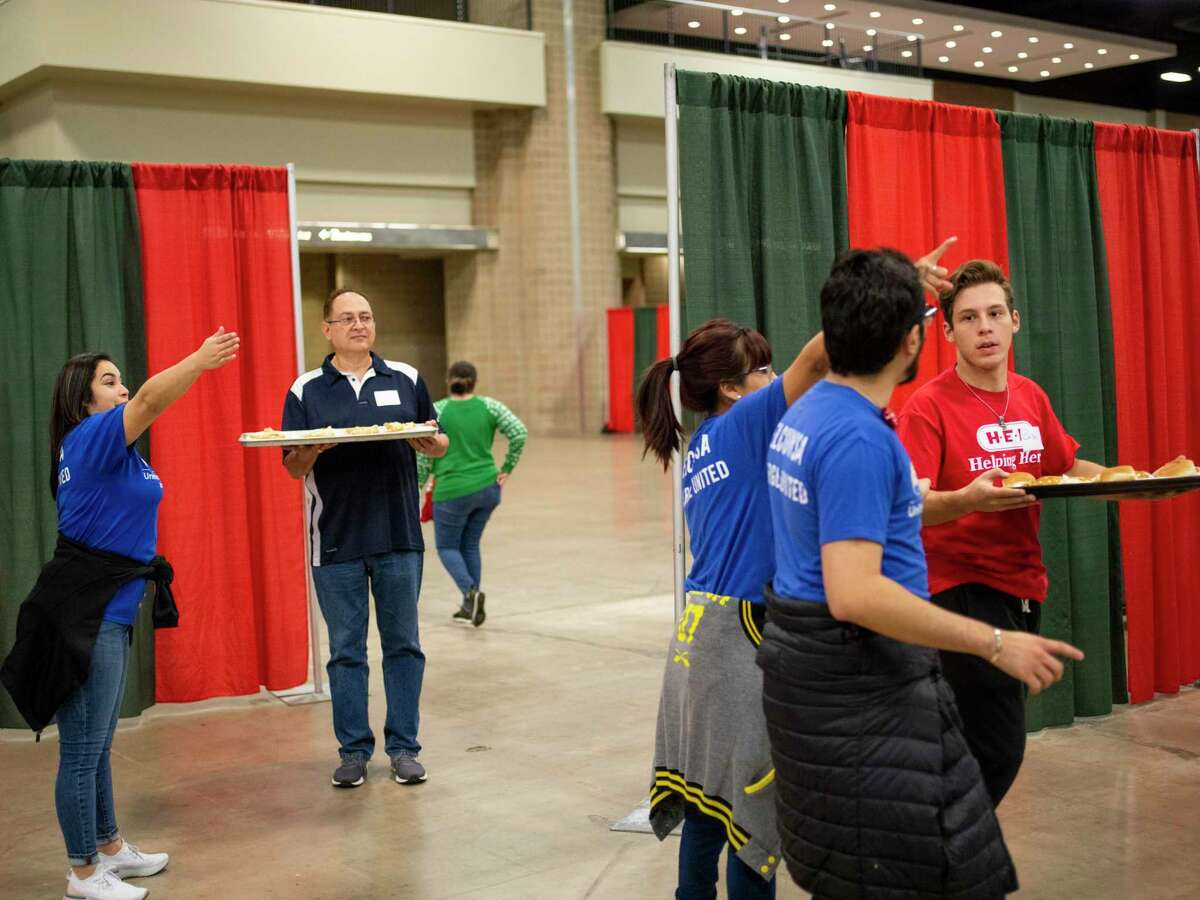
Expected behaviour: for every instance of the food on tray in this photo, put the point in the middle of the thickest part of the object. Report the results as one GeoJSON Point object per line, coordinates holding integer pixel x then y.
{"type": "Point", "coordinates": [1118, 473]}
{"type": "Point", "coordinates": [327, 431]}
{"type": "Point", "coordinates": [1019, 479]}
{"type": "Point", "coordinates": [363, 429]}
{"type": "Point", "coordinates": [1142, 475]}
{"type": "Point", "coordinates": [1176, 468]}
{"type": "Point", "coordinates": [1053, 479]}
{"type": "Point", "coordinates": [401, 426]}
{"type": "Point", "coordinates": [265, 435]}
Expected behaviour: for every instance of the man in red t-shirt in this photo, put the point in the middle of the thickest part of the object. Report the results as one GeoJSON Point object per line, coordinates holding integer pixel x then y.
{"type": "Point", "coordinates": [968, 427]}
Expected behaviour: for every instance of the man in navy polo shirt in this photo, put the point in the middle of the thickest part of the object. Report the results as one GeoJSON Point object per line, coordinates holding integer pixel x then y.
{"type": "Point", "coordinates": [365, 531]}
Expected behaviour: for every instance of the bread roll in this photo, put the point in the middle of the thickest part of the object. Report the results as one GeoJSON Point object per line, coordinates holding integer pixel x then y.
{"type": "Point", "coordinates": [1118, 473]}
{"type": "Point", "coordinates": [1142, 476]}
{"type": "Point", "coordinates": [1047, 480]}
{"type": "Point", "coordinates": [1019, 479]}
{"type": "Point", "coordinates": [1176, 468]}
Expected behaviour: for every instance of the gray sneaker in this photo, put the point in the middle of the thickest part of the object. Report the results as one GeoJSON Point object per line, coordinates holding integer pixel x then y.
{"type": "Point", "coordinates": [406, 770]}
{"type": "Point", "coordinates": [351, 773]}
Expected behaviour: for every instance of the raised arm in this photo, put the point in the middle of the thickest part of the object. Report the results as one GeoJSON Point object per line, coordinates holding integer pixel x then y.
{"type": "Point", "coordinates": [163, 389]}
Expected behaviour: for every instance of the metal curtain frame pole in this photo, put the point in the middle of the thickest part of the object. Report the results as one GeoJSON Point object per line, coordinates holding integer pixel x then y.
{"type": "Point", "coordinates": [314, 632]}
{"type": "Point", "coordinates": [675, 318]}
{"type": "Point", "coordinates": [576, 224]}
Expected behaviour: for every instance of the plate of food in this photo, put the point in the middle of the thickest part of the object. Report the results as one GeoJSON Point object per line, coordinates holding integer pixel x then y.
{"type": "Point", "coordinates": [1177, 476]}
{"type": "Point", "coordinates": [388, 431]}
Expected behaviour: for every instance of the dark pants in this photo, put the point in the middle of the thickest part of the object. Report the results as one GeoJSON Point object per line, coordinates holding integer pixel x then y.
{"type": "Point", "coordinates": [699, 853]}
{"type": "Point", "coordinates": [991, 703]}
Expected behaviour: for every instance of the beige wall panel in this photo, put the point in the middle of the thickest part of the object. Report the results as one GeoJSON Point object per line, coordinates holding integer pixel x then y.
{"type": "Point", "coordinates": [1070, 109]}
{"type": "Point", "coordinates": [28, 128]}
{"type": "Point", "coordinates": [324, 202]}
{"type": "Point", "coordinates": [308, 47]}
{"type": "Point", "coordinates": [633, 76]}
{"type": "Point", "coordinates": [641, 159]}
{"type": "Point", "coordinates": [316, 281]}
{"type": "Point", "coordinates": [364, 143]}
{"type": "Point", "coordinates": [642, 214]}
{"type": "Point", "coordinates": [1179, 121]}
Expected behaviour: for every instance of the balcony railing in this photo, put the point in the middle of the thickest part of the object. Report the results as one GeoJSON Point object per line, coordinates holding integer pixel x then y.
{"type": "Point", "coordinates": [497, 13]}
{"type": "Point", "coordinates": [743, 31]}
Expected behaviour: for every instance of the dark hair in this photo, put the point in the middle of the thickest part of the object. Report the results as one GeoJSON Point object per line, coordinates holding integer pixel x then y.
{"type": "Point", "coordinates": [68, 407]}
{"type": "Point", "coordinates": [327, 309]}
{"type": "Point", "coordinates": [969, 274]}
{"type": "Point", "coordinates": [461, 377]}
{"type": "Point", "coordinates": [868, 303]}
{"type": "Point", "coordinates": [718, 352]}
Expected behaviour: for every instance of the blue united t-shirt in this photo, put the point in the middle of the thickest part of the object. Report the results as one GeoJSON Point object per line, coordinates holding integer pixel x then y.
{"type": "Point", "coordinates": [108, 500]}
{"type": "Point", "coordinates": [837, 472]}
{"type": "Point", "coordinates": [725, 497]}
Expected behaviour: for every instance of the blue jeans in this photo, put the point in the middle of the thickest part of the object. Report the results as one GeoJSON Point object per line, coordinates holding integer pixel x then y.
{"type": "Point", "coordinates": [699, 852]}
{"type": "Point", "coordinates": [458, 526]}
{"type": "Point", "coordinates": [395, 580]}
{"type": "Point", "coordinates": [83, 794]}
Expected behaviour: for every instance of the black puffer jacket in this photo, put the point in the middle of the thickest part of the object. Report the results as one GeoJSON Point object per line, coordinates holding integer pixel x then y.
{"type": "Point", "coordinates": [878, 795]}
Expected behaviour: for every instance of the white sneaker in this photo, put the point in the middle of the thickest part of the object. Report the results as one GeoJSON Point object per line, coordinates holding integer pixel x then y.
{"type": "Point", "coordinates": [130, 862]}
{"type": "Point", "coordinates": [103, 884]}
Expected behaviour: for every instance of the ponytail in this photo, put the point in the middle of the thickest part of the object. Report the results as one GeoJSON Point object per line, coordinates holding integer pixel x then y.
{"type": "Point", "coordinates": [661, 430]}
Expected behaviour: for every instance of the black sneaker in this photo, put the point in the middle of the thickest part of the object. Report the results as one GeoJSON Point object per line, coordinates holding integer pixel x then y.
{"type": "Point", "coordinates": [476, 598]}
{"type": "Point", "coordinates": [351, 773]}
{"type": "Point", "coordinates": [464, 613]}
{"type": "Point", "coordinates": [406, 770]}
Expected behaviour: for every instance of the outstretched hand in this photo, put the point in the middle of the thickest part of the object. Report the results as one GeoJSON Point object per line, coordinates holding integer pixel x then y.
{"type": "Point", "coordinates": [218, 348]}
{"type": "Point", "coordinates": [1034, 660]}
{"type": "Point", "coordinates": [933, 276]}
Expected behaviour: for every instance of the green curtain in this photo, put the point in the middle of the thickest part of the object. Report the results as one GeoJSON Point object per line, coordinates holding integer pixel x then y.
{"type": "Point", "coordinates": [70, 280]}
{"type": "Point", "coordinates": [645, 342]}
{"type": "Point", "coordinates": [1060, 281]}
{"type": "Point", "coordinates": [763, 195]}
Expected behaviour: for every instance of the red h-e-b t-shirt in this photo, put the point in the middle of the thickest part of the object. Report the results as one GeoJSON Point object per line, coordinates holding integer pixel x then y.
{"type": "Point", "coordinates": [952, 437]}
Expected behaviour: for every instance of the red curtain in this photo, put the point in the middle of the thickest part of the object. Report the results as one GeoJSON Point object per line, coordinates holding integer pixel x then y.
{"type": "Point", "coordinates": [916, 173]}
{"type": "Point", "coordinates": [216, 251]}
{"type": "Point", "coordinates": [1150, 202]}
{"type": "Point", "coordinates": [664, 332]}
{"type": "Point", "coordinates": [620, 371]}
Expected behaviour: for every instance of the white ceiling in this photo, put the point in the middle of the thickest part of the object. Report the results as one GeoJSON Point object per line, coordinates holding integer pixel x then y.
{"type": "Point", "coordinates": [958, 39]}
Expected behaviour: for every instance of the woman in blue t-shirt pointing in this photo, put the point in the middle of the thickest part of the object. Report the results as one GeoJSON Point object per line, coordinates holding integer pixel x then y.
{"type": "Point", "coordinates": [107, 498]}
{"type": "Point", "coordinates": [711, 752]}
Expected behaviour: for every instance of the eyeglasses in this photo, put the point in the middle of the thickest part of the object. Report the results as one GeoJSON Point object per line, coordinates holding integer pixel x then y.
{"type": "Point", "coordinates": [761, 370]}
{"type": "Point", "coordinates": [347, 321]}
{"type": "Point", "coordinates": [926, 314]}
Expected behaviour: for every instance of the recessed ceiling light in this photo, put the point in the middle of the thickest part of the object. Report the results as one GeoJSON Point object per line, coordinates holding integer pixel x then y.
{"type": "Point", "coordinates": [867, 48]}
{"type": "Point", "coordinates": [875, 14]}
{"type": "Point", "coordinates": [693, 24]}
{"type": "Point", "coordinates": [1022, 55]}
{"type": "Point", "coordinates": [997, 34]}
{"type": "Point", "coordinates": [1089, 65]}
{"type": "Point", "coordinates": [951, 44]}
{"type": "Point", "coordinates": [943, 59]}
{"type": "Point", "coordinates": [912, 37]}
{"type": "Point", "coordinates": [1012, 68]}
{"type": "Point", "coordinates": [1102, 51]}
{"type": "Point", "coordinates": [1177, 77]}
{"type": "Point", "coordinates": [829, 26]}
{"type": "Point", "coordinates": [785, 37]}
{"type": "Point", "coordinates": [1135, 56]}
{"type": "Point", "coordinates": [871, 32]}
{"type": "Point", "coordinates": [1033, 40]}
{"type": "Point", "coordinates": [1056, 60]}
{"type": "Point", "coordinates": [959, 27]}
{"type": "Point", "coordinates": [783, 20]}
{"type": "Point", "coordinates": [1044, 73]}
{"type": "Point", "coordinates": [1068, 46]}
{"type": "Point", "coordinates": [918, 21]}
{"type": "Point", "coordinates": [979, 63]}
{"type": "Point", "coordinates": [736, 12]}
{"type": "Point", "coordinates": [826, 43]}
{"type": "Point", "coordinates": [739, 30]}
{"type": "Point", "coordinates": [829, 7]}
{"type": "Point", "coordinates": [987, 49]}
{"type": "Point", "coordinates": [906, 53]}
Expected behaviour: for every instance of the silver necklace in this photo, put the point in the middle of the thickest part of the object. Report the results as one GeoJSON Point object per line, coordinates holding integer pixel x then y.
{"type": "Point", "coordinates": [1007, 397]}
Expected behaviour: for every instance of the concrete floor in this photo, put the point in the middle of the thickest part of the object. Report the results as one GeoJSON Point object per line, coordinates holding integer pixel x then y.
{"type": "Point", "coordinates": [538, 730]}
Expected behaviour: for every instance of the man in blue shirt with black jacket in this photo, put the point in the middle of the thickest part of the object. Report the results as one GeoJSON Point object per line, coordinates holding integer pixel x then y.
{"type": "Point", "coordinates": [878, 793]}
{"type": "Point", "coordinates": [365, 531]}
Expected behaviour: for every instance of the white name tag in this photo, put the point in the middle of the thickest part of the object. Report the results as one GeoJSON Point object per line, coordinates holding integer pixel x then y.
{"type": "Point", "coordinates": [387, 398]}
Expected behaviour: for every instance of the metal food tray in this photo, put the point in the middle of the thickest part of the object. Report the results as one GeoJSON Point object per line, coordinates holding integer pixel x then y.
{"type": "Point", "coordinates": [340, 436]}
{"type": "Point", "coordinates": [1102, 488]}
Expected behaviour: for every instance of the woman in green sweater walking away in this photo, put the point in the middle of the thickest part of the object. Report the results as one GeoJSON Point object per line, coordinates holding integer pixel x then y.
{"type": "Point", "coordinates": [466, 481]}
